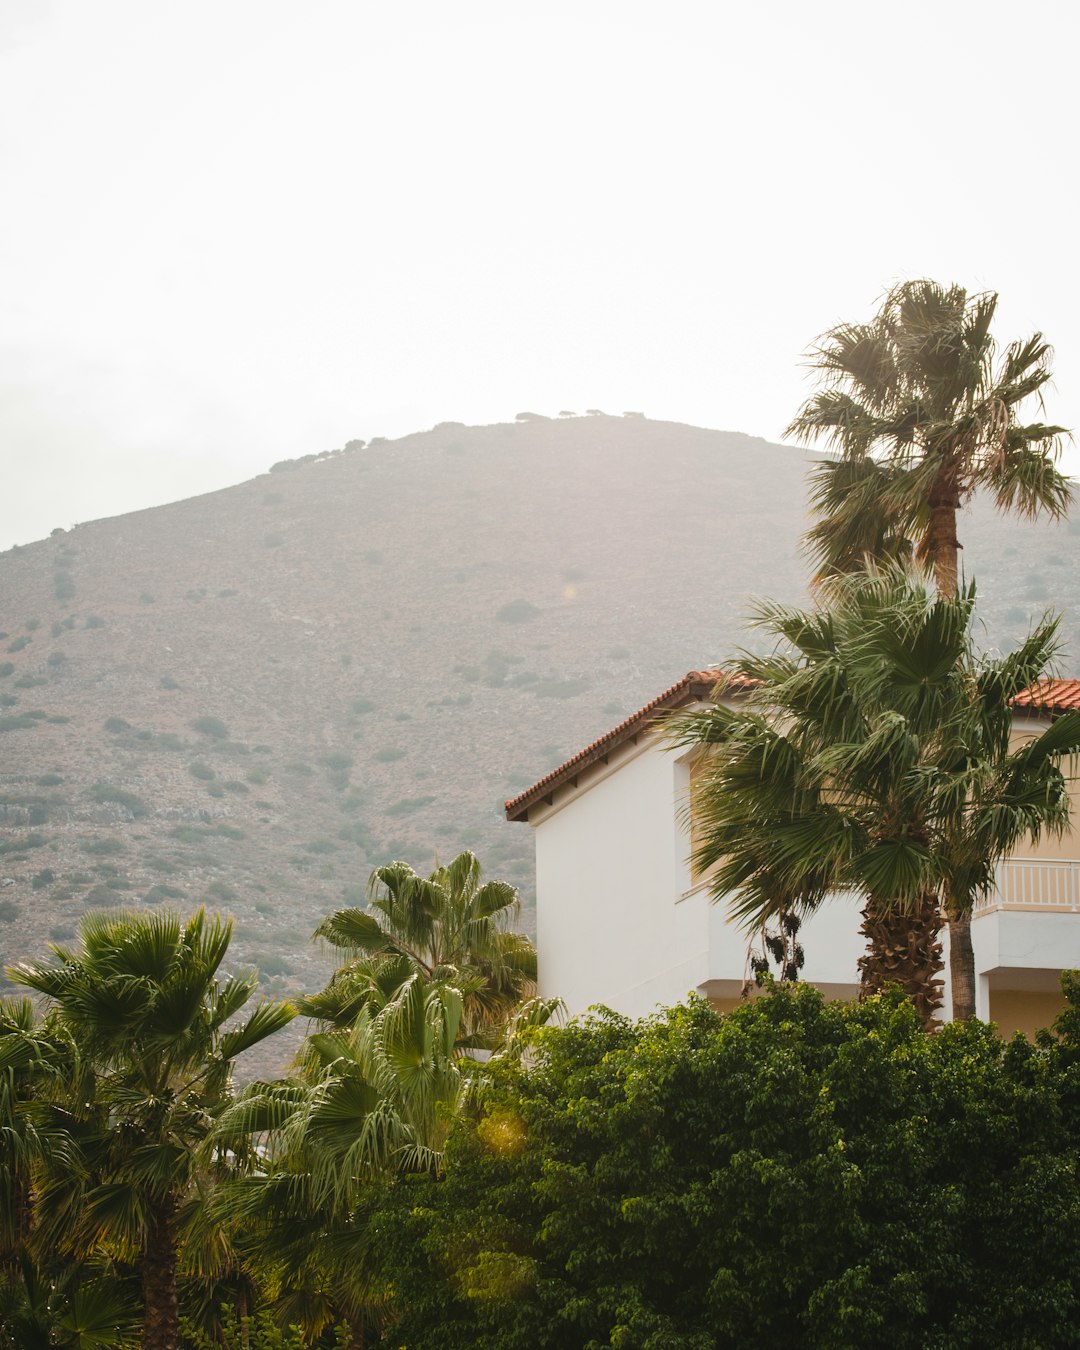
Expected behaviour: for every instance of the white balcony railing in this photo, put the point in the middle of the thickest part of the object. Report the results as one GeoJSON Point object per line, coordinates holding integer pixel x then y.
{"type": "Point", "coordinates": [1034, 883]}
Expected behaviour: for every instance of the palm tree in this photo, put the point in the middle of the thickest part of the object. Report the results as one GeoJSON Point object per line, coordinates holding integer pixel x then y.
{"type": "Point", "coordinates": [372, 1099]}
{"type": "Point", "coordinates": [155, 1039]}
{"type": "Point", "coordinates": [922, 408]}
{"type": "Point", "coordinates": [449, 928]}
{"type": "Point", "coordinates": [873, 758]}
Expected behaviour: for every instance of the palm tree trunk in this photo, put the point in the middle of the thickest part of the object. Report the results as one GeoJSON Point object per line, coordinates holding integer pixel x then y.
{"type": "Point", "coordinates": [962, 969]}
{"type": "Point", "coordinates": [902, 948]}
{"type": "Point", "coordinates": [161, 1311]}
{"type": "Point", "coordinates": [941, 546]}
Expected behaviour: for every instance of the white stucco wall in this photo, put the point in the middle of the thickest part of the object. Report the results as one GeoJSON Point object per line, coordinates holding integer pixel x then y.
{"type": "Point", "coordinates": [619, 923]}
{"type": "Point", "coordinates": [608, 865]}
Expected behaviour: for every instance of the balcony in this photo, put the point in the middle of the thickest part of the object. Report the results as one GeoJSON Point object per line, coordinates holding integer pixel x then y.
{"type": "Point", "coordinates": [1035, 884]}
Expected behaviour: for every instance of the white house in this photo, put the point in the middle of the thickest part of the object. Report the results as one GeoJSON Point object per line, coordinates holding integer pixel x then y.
{"type": "Point", "coordinates": [621, 920]}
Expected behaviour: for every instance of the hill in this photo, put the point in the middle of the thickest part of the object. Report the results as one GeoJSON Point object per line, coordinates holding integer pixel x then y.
{"type": "Point", "coordinates": [255, 696]}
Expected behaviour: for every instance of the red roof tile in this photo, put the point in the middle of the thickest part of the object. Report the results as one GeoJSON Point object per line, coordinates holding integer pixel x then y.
{"type": "Point", "coordinates": [1045, 697]}
{"type": "Point", "coordinates": [1051, 696]}
{"type": "Point", "coordinates": [694, 685]}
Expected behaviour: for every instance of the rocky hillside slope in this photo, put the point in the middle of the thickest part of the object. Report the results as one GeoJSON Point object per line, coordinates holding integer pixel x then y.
{"type": "Point", "coordinates": [254, 696]}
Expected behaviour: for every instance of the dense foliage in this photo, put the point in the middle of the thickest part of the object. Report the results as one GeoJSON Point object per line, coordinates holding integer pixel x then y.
{"type": "Point", "coordinates": [794, 1173]}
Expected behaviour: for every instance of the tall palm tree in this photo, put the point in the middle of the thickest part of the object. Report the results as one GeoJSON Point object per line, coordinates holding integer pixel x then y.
{"type": "Point", "coordinates": [449, 928]}
{"type": "Point", "coordinates": [155, 1038]}
{"type": "Point", "coordinates": [922, 408]}
{"type": "Point", "coordinates": [873, 757]}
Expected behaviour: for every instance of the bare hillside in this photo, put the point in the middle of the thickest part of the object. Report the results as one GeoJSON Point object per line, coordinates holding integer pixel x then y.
{"type": "Point", "coordinates": [254, 696]}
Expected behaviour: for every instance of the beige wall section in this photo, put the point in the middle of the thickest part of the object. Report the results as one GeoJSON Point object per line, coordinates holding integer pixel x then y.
{"type": "Point", "coordinates": [1018, 1010]}
{"type": "Point", "coordinates": [1068, 846]}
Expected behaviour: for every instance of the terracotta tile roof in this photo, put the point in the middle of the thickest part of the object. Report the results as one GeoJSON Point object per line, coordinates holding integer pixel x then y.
{"type": "Point", "coordinates": [1051, 696]}
{"type": "Point", "coordinates": [695, 685]}
{"type": "Point", "coordinates": [1047, 697]}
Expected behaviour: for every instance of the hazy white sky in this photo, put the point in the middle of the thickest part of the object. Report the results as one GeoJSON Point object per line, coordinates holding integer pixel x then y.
{"type": "Point", "coordinates": [244, 230]}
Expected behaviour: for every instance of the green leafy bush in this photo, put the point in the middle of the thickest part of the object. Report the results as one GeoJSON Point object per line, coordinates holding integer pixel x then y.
{"type": "Point", "coordinates": [213, 727]}
{"type": "Point", "coordinates": [103, 848]}
{"type": "Point", "coordinates": [516, 611]}
{"type": "Point", "coordinates": [130, 801]}
{"type": "Point", "coordinates": [17, 722]}
{"type": "Point", "coordinates": [408, 805]}
{"type": "Point", "coordinates": [789, 1174]}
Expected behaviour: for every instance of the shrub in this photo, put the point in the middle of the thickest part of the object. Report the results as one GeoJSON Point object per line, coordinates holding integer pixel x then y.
{"type": "Point", "coordinates": [102, 848]}
{"type": "Point", "coordinates": [789, 1174]}
{"type": "Point", "coordinates": [200, 770]}
{"type": "Point", "coordinates": [108, 792]}
{"type": "Point", "coordinates": [19, 643]}
{"type": "Point", "coordinates": [389, 755]}
{"type": "Point", "coordinates": [30, 681]}
{"type": "Point", "coordinates": [17, 722]}
{"type": "Point", "coordinates": [95, 621]}
{"type": "Point", "coordinates": [63, 585]}
{"type": "Point", "coordinates": [517, 611]}
{"type": "Point", "coordinates": [258, 775]}
{"type": "Point", "coordinates": [320, 846]}
{"type": "Point", "coordinates": [213, 727]}
{"type": "Point", "coordinates": [228, 593]}
{"type": "Point", "coordinates": [408, 805]}
{"type": "Point", "coordinates": [339, 761]}
{"type": "Point", "coordinates": [234, 785]}
{"type": "Point", "coordinates": [146, 598]}
{"type": "Point", "coordinates": [363, 705]}
{"type": "Point", "coordinates": [356, 832]}
{"type": "Point", "coordinates": [44, 878]}
{"type": "Point", "coordinates": [117, 724]}
{"type": "Point", "coordinates": [160, 891]}
{"type": "Point", "coordinates": [215, 790]}
{"type": "Point", "coordinates": [57, 719]}
{"type": "Point", "coordinates": [99, 897]}
{"type": "Point", "coordinates": [556, 688]}
{"type": "Point", "coordinates": [49, 780]}
{"type": "Point", "coordinates": [56, 659]}
{"type": "Point", "coordinates": [300, 769]}
{"type": "Point", "coordinates": [273, 540]}
{"type": "Point", "coordinates": [9, 911]}
{"type": "Point", "coordinates": [6, 668]}
{"type": "Point", "coordinates": [32, 625]}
